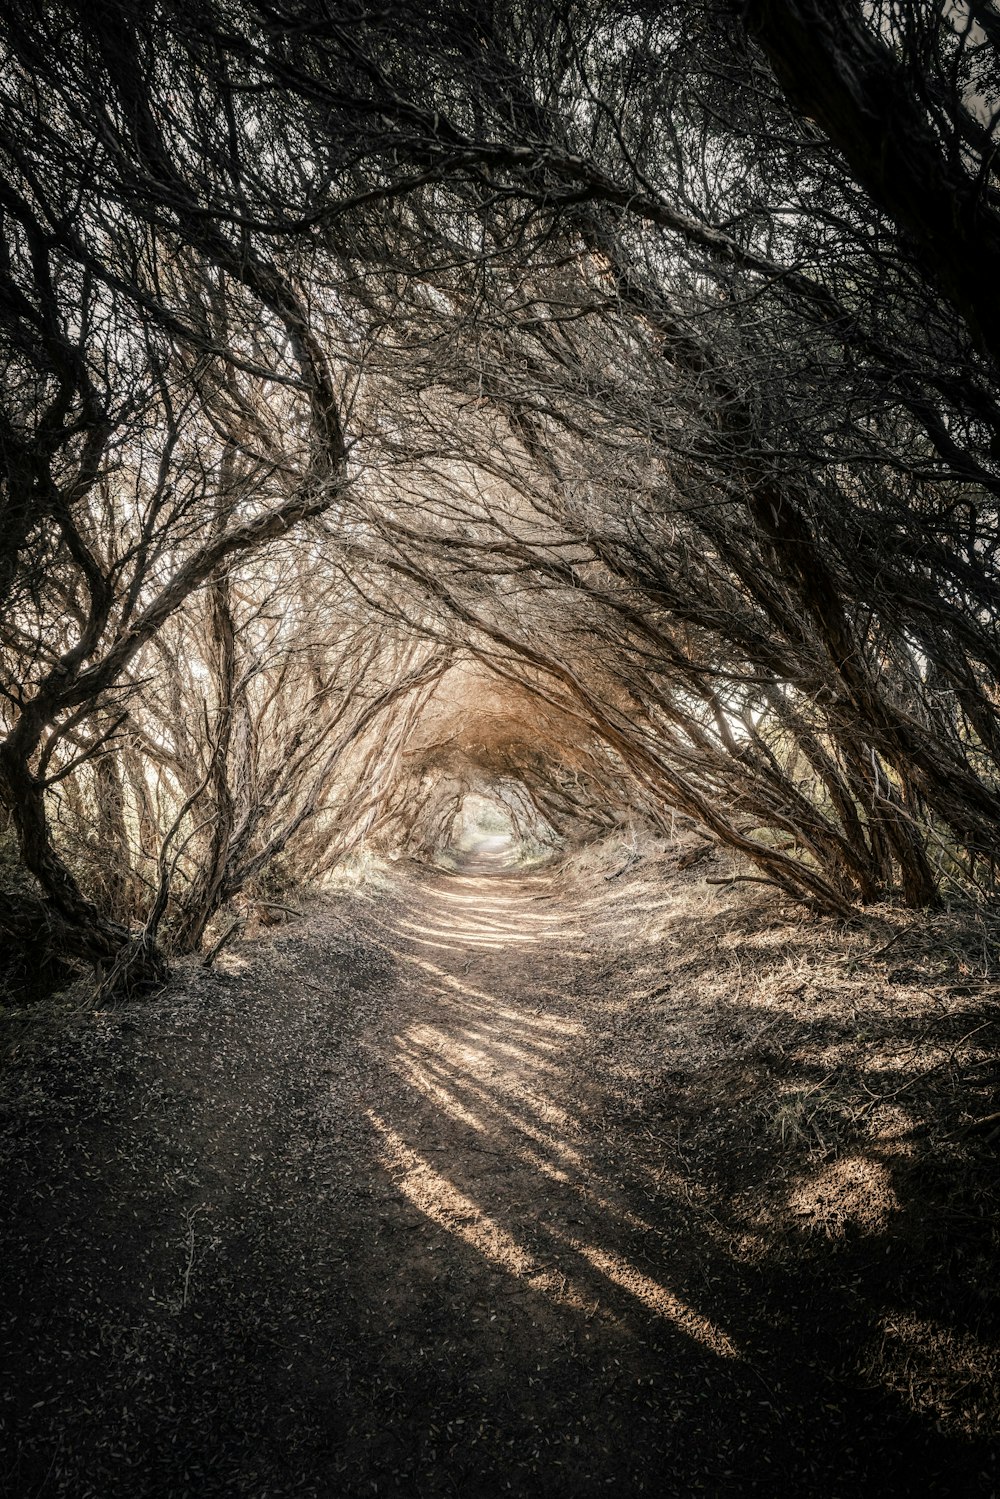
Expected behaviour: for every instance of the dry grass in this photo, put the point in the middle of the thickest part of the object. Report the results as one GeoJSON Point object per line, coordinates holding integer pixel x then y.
{"type": "Point", "coordinates": [860, 1063]}
{"type": "Point", "coordinates": [600, 1180]}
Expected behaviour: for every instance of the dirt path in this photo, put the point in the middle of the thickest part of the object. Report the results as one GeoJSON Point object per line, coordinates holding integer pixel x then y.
{"type": "Point", "coordinates": [418, 1198]}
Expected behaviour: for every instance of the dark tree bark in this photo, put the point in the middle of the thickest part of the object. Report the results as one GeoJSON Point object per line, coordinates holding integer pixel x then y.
{"type": "Point", "coordinates": [869, 102]}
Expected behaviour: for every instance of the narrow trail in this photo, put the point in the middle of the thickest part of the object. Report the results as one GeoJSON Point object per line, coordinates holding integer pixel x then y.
{"type": "Point", "coordinates": [399, 1205]}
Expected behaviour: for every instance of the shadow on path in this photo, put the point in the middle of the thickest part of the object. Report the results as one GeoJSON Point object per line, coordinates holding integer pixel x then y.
{"type": "Point", "coordinates": [389, 1214]}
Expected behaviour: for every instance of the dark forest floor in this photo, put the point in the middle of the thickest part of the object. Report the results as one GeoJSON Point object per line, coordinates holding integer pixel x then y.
{"type": "Point", "coordinates": [486, 1185]}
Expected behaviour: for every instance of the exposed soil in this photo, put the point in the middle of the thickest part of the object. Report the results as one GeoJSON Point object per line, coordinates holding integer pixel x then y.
{"type": "Point", "coordinates": [487, 1185]}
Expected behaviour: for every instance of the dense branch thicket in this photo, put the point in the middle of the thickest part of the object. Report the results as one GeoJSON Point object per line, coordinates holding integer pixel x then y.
{"type": "Point", "coordinates": [596, 401]}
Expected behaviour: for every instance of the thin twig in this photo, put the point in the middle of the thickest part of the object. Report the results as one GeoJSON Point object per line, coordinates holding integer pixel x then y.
{"type": "Point", "coordinates": [880, 951]}
{"type": "Point", "coordinates": [216, 948]}
{"type": "Point", "coordinates": [190, 1216]}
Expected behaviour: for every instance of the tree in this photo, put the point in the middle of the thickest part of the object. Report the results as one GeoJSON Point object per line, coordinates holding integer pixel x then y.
{"type": "Point", "coordinates": [620, 352]}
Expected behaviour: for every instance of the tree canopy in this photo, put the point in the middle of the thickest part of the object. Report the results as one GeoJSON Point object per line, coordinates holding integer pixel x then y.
{"type": "Point", "coordinates": [595, 402]}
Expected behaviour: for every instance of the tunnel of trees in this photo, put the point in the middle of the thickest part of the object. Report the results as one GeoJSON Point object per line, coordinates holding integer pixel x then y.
{"type": "Point", "coordinates": [585, 411]}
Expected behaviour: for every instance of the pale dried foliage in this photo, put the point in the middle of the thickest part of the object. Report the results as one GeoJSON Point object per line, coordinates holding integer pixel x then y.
{"type": "Point", "coordinates": [560, 362]}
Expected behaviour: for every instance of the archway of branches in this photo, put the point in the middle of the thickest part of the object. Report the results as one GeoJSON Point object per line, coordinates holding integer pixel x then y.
{"type": "Point", "coordinates": [495, 776]}
{"type": "Point", "coordinates": [572, 410]}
